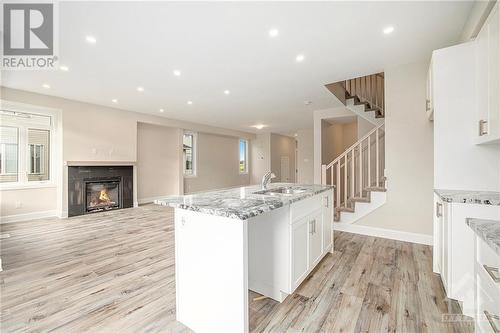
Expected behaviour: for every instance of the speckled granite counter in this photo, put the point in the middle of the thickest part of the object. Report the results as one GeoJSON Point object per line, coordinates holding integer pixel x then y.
{"type": "Point", "coordinates": [488, 230]}
{"type": "Point", "coordinates": [472, 197]}
{"type": "Point", "coordinates": [240, 203]}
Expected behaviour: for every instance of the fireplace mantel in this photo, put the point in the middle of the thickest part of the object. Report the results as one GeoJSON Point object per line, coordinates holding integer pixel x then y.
{"type": "Point", "coordinates": [99, 163]}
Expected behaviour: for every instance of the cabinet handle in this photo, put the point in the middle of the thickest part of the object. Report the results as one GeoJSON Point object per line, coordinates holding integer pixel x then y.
{"type": "Point", "coordinates": [311, 227]}
{"type": "Point", "coordinates": [491, 318]}
{"type": "Point", "coordinates": [483, 129]}
{"type": "Point", "coordinates": [327, 201]}
{"type": "Point", "coordinates": [493, 272]}
{"type": "Point", "coordinates": [439, 211]}
{"type": "Point", "coordinates": [427, 105]}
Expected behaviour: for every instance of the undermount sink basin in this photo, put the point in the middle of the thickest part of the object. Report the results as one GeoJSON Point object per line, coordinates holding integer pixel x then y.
{"type": "Point", "coordinates": [280, 191]}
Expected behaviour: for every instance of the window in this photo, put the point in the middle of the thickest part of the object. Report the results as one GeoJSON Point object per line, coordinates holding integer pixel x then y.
{"type": "Point", "coordinates": [38, 154]}
{"type": "Point", "coordinates": [243, 156]}
{"type": "Point", "coordinates": [189, 154]}
{"type": "Point", "coordinates": [24, 148]}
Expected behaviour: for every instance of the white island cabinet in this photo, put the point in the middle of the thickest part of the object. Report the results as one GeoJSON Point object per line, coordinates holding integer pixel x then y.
{"type": "Point", "coordinates": [228, 242]}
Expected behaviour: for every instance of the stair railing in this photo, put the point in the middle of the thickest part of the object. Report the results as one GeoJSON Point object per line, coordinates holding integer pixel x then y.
{"type": "Point", "coordinates": [369, 88]}
{"type": "Point", "coordinates": [359, 168]}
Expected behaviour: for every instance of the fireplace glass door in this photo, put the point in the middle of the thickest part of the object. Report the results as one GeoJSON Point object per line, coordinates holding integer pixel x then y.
{"type": "Point", "coordinates": [102, 195]}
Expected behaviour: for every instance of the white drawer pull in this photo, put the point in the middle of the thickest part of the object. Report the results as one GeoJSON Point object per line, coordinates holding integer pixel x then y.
{"type": "Point", "coordinates": [491, 319]}
{"type": "Point", "coordinates": [493, 272]}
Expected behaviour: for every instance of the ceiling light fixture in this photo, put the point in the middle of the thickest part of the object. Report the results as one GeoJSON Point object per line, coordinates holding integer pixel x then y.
{"type": "Point", "coordinates": [114, 100]}
{"type": "Point", "coordinates": [190, 102]}
{"type": "Point", "coordinates": [388, 30]}
{"type": "Point", "coordinates": [140, 89]}
{"type": "Point", "coordinates": [259, 126]}
{"type": "Point", "coordinates": [274, 33]}
{"type": "Point", "coordinates": [46, 85]}
{"type": "Point", "coordinates": [299, 58]}
{"type": "Point", "coordinates": [91, 39]}
{"type": "Point", "coordinates": [161, 110]}
{"type": "Point", "coordinates": [177, 72]}
{"type": "Point", "coordinates": [226, 92]}
{"type": "Point", "coordinates": [64, 68]}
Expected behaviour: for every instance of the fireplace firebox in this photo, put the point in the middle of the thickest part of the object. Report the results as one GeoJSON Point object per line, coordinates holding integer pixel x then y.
{"type": "Point", "coordinates": [94, 189]}
{"type": "Point", "coordinates": [102, 195]}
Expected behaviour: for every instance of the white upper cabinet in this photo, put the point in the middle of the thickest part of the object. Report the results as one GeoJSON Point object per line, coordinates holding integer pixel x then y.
{"type": "Point", "coordinates": [488, 79]}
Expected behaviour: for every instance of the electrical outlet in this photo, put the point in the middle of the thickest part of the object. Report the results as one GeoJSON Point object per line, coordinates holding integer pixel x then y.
{"type": "Point", "coordinates": [18, 204]}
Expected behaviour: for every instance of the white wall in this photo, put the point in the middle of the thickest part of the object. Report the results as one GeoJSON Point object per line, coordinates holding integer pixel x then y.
{"type": "Point", "coordinates": [260, 157]}
{"type": "Point", "coordinates": [409, 154]}
{"type": "Point", "coordinates": [458, 162]}
{"type": "Point", "coordinates": [305, 156]}
{"type": "Point", "coordinates": [319, 115]}
{"type": "Point", "coordinates": [282, 146]}
{"type": "Point", "coordinates": [364, 126]}
{"type": "Point", "coordinates": [159, 162]}
{"type": "Point", "coordinates": [217, 164]}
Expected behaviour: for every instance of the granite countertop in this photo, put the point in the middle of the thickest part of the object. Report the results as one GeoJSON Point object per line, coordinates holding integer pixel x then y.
{"type": "Point", "coordinates": [241, 202]}
{"type": "Point", "coordinates": [471, 197]}
{"type": "Point", "coordinates": [488, 230]}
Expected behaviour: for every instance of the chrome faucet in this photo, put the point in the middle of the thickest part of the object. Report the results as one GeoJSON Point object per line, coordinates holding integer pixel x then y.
{"type": "Point", "coordinates": [266, 179]}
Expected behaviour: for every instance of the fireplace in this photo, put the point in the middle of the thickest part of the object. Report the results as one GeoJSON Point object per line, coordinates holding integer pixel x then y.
{"type": "Point", "coordinates": [102, 195]}
{"type": "Point", "coordinates": [93, 189]}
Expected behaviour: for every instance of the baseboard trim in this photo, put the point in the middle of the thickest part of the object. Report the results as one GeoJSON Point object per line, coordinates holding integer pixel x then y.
{"type": "Point", "coordinates": [28, 216]}
{"type": "Point", "coordinates": [149, 200]}
{"type": "Point", "coordinates": [384, 233]}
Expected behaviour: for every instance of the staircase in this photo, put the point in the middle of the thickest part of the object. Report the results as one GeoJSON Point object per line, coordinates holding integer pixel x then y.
{"type": "Point", "coordinates": [362, 95]}
{"type": "Point", "coordinates": [358, 175]}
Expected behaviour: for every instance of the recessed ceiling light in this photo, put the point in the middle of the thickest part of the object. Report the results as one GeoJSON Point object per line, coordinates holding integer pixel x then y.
{"type": "Point", "coordinates": [161, 110]}
{"type": "Point", "coordinates": [226, 92]}
{"type": "Point", "coordinates": [140, 89]}
{"type": "Point", "coordinates": [259, 126]}
{"type": "Point", "coordinates": [190, 102]}
{"type": "Point", "coordinates": [46, 85]}
{"type": "Point", "coordinates": [274, 33]}
{"type": "Point", "coordinates": [91, 39]}
{"type": "Point", "coordinates": [388, 30]}
{"type": "Point", "coordinates": [177, 72]}
{"type": "Point", "coordinates": [114, 100]}
{"type": "Point", "coordinates": [64, 68]}
{"type": "Point", "coordinates": [299, 58]}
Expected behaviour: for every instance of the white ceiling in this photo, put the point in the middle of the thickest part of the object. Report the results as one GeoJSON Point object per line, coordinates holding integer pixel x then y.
{"type": "Point", "coordinates": [226, 45]}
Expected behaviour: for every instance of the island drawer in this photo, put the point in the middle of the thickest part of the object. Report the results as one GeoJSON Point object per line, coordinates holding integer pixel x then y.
{"type": "Point", "coordinates": [305, 207]}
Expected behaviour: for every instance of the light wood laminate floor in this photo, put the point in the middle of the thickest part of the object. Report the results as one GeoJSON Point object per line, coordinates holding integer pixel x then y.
{"type": "Point", "coordinates": [114, 272]}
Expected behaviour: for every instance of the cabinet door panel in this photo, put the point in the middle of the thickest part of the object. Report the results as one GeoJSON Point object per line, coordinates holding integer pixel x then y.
{"type": "Point", "coordinates": [493, 72]}
{"type": "Point", "coordinates": [327, 221]}
{"type": "Point", "coordinates": [315, 238]}
{"type": "Point", "coordinates": [299, 251]}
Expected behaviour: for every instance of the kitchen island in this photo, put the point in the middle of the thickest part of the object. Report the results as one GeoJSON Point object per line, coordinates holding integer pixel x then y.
{"type": "Point", "coordinates": [234, 240]}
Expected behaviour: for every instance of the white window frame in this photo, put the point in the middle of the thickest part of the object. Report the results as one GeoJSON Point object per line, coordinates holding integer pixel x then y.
{"type": "Point", "coordinates": [195, 155]}
{"type": "Point", "coordinates": [246, 156]}
{"type": "Point", "coordinates": [23, 146]}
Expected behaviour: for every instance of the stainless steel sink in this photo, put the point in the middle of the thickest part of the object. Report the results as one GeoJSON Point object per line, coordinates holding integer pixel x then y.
{"type": "Point", "coordinates": [280, 191]}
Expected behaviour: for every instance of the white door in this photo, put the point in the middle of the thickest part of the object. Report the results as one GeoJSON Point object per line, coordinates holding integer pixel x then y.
{"type": "Point", "coordinates": [285, 169]}
{"type": "Point", "coordinates": [315, 237]}
{"type": "Point", "coordinates": [300, 231]}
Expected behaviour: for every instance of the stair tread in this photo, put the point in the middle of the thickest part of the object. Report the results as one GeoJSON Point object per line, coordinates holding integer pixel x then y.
{"type": "Point", "coordinates": [345, 209]}
{"type": "Point", "coordinates": [376, 189]}
{"type": "Point", "coordinates": [359, 199]}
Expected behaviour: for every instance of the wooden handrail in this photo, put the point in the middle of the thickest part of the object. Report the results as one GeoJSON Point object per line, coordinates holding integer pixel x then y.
{"type": "Point", "coordinates": [348, 150]}
{"type": "Point", "coordinates": [356, 164]}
